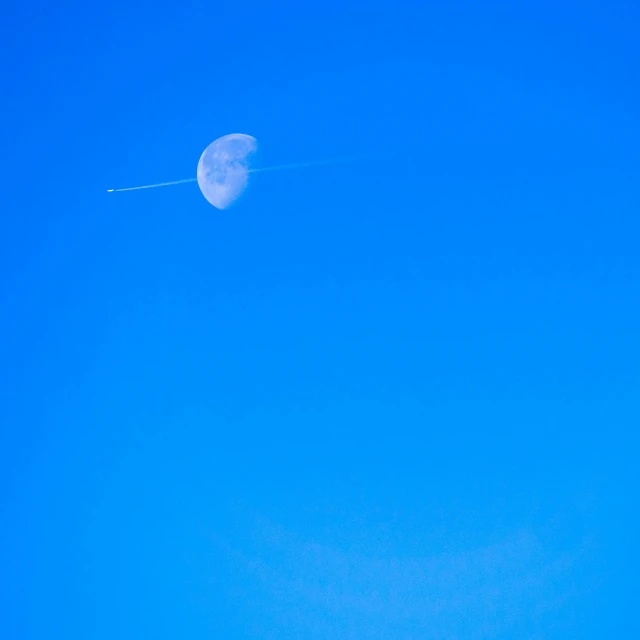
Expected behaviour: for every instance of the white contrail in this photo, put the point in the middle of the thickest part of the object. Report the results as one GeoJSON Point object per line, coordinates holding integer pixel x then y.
{"type": "Point", "coordinates": [301, 165]}
{"type": "Point", "coordinates": [153, 186]}
{"type": "Point", "coordinates": [297, 165]}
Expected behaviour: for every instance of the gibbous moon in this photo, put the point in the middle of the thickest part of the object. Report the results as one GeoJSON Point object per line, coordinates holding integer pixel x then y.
{"type": "Point", "coordinates": [223, 169]}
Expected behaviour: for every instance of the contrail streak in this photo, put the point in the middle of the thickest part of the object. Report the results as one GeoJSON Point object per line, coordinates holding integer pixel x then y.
{"type": "Point", "coordinates": [301, 165]}
{"type": "Point", "coordinates": [297, 165]}
{"type": "Point", "coordinates": [153, 186]}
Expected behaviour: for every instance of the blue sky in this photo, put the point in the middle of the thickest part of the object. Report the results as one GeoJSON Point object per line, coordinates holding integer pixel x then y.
{"type": "Point", "coordinates": [396, 398]}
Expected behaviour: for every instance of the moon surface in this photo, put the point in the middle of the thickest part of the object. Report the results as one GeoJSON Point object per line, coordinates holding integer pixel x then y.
{"type": "Point", "coordinates": [223, 169]}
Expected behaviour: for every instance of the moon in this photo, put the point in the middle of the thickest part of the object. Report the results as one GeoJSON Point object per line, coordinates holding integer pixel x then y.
{"type": "Point", "coordinates": [223, 169]}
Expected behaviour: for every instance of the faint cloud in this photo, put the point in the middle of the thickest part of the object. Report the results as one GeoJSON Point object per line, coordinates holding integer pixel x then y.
{"type": "Point", "coordinates": [318, 591]}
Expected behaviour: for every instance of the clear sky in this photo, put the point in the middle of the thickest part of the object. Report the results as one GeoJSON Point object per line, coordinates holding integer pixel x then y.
{"type": "Point", "coordinates": [392, 399]}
